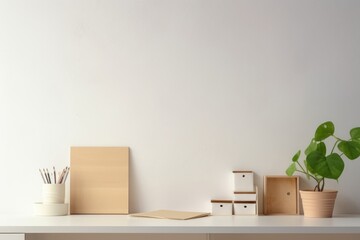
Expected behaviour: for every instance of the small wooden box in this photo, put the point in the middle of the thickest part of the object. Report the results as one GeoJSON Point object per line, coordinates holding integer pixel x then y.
{"type": "Point", "coordinates": [245, 208]}
{"type": "Point", "coordinates": [281, 195]}
{"type": "Point", "coordinates": [222, 207]}
{"type": "Point", "coordinates": [243, 181]}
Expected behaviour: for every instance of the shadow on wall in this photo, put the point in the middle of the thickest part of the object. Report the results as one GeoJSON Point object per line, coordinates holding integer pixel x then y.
{"type": "Point", "coordinates": [259, 182]}
{"type": "Point", "coordinates": [132, 184]}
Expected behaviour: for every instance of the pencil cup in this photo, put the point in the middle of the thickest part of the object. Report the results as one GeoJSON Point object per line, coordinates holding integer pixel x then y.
{"type": "Point", "coordinates": [53, 193]}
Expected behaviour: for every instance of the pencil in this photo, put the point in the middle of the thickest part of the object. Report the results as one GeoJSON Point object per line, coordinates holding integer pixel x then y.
{"type": "Point", "coordinates": [47, 171]}
{"type": "Point", "coordinates": [54, 175]}
{"type": "Point", "coordinates": [67, 173]}
{"type": "Point", "coordinates": [62, 176]}
{"type": "Point", "coordinates": [47, 180]}
{"type": "Point", "coordinates": [42, 176]}
{"type": "Point", "coordinates": [58, 179]}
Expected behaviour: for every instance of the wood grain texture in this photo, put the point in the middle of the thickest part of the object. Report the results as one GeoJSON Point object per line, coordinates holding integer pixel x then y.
{"type": "Point", "coordinates": [281, 195]}
{"type": "Point", "coordinates": [99, 180]}
{"type": "Point", "coordinates": [171, 214]}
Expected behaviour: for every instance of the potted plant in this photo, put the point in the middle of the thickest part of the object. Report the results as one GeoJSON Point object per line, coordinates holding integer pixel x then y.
{"type": "Point", "coordinates": [322, 162]}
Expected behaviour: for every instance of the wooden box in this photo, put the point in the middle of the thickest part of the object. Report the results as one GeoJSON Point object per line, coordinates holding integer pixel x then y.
{"type": "Point", "coordinates": [281, 195]}
{"type": "Point", "coordinates": [99, 181]}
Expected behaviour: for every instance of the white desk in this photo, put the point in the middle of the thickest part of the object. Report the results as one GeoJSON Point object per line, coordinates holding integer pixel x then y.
{"type": "Point", "coordinates": [342, 224]}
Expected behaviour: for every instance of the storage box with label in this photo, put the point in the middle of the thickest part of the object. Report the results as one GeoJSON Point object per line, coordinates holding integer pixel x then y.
{"type": "Point", "coordinates": [245, 208]}
{"type": "Point", "coordinates": [243, 181]}
{"type": "Point", "coordinates": [222, 207]}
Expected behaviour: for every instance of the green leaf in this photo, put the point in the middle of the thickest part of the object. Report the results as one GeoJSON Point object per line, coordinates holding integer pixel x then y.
{"type": "Point", "coordinates": [310, 170]}
{"type": "Point", "coordinates": [324, 131]}
{"type": "Point", "coordinates": [355, 133]}
{"type": "Point", "coordinates": [306, 165]}
{"type": "Point", "coordinates": [291, 169]}
{"type": "Point", "coordinates": [336, 165]}
{"type": "Point", "coordinates": [351, 149]}
{"type": "Point", "coordinates": [321, 147]}
{"type": "Point", "coordinates": [312, 147]}
{"type": "Point", "coordinates": [329, 167]}
{"type": "Point", "coordinates": [296, 156]}
{"type": "Point", "coordinates": [312, 159]}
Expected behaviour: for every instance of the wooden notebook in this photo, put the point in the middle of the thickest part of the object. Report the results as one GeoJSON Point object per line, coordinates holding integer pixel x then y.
{"type": "Point", "coordinates": [99, 181]}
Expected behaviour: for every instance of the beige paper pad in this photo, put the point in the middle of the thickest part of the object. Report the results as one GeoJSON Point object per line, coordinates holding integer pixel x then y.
{"type": "Point", "coordinates": [99, 181]}
{"type": "Point", "coordinates": [169, 214]}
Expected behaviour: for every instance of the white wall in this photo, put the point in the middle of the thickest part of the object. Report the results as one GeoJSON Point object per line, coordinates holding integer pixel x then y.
{"type": "Point", "coordinates": [196, 88]}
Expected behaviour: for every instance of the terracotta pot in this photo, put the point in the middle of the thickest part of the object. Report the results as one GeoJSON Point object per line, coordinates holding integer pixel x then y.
{"type": "Point", "coordinates": [318, 204]}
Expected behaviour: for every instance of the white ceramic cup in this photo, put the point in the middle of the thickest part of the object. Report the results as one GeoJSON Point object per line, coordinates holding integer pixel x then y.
{"type": "Point", "coordinates": [53, 193]}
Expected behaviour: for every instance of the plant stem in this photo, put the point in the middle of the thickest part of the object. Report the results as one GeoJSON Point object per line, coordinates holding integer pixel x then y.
{"type": "Point", "coordinates": [338, 140]}
{"type": "Point", "coordinates": [302, 167]}
{"type": "Point", "coordinates": [308, 175]}
{"type": "Point", "coordinates": [323, 185]}
{"type": "Point", "coordinates": [317, 187]}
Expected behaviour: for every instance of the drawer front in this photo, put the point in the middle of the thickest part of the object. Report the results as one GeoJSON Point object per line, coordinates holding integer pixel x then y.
{"type": "Point", "coordinates": [245, 196]}
{"type": "Point", "coordinates": [245, 208]}
{"type": "Point", "coordinates": [244, 182]}
{"type": "Point", "coordinates": [222, 208]}
{"type": "Point", "coordinates": [12, 236]}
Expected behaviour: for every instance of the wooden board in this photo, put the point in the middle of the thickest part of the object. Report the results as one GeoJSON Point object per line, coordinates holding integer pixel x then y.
{"type": "Point", "coordinates": [170, 214]}
{"type": "Point", "coordinates": [99, 181]}
{"type": "Point", "coordinates": [281, 195]}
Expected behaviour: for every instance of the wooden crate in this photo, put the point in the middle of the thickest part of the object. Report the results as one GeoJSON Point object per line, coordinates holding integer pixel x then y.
{"type": "Point", "coordinates": [99, 181]}
{"type": "Point", "coordinates": [281, 195]}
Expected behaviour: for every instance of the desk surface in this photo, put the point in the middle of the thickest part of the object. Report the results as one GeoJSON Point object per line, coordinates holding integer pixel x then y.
{"type": "Point", "coordinates": [211, 224]}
